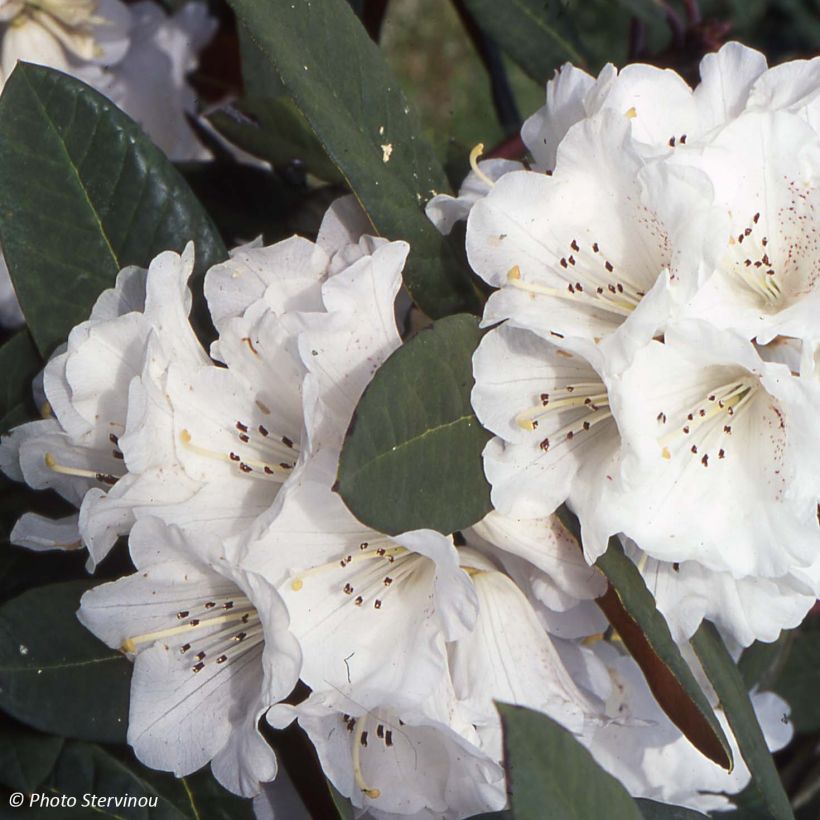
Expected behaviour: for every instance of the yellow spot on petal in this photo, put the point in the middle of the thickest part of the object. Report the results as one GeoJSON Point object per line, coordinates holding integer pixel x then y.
{"type": "Point", "coordinates": [514, 273]}
{"type": "Point", "coordinates": [128, 646]}
{"type": "Point", "coordinates": [372, 793]}
{"type": "Point", "coordinates": [296, 584]}
{"type": "Point", "coordinates": [666, 454]}
{"type": "Point", "coordinates": [184, 436]}
{"type": "Point", "coordinates": [632, 113]}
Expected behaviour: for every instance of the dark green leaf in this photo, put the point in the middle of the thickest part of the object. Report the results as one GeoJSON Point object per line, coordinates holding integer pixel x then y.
{"type": "Point", "coordinates": [750, 805]}
{"type": "Point", "coordinates": [631, 609]}
{"type": "Point", "coordinates": [549, 773]}
{"type": "Point", "coordinates": [538, 34]}
{"type": "Point", "coordinates": [26, 757]}
{"type": "Point", "coordinates": [412, 455]}
{"type": "Point", "coordinates": [19, 364]}
{"type": "Point", "coordinates": [728, 683]}
{"type": "Point", "coordinates": [83, 193]}
{"type": "Point", "coordinates": [87, 769]}
{"type": "Point", "coordinates": [276, 131]}
{"type": "Point", "coordinates": [763, 663]}
{"type": "Point", "coordinates": [54, 674]}
{"type": "Point", "coordinates": [343, 806]}
{"type": "Point", "coordinates": [257, 78]}
{"type": "Point", "coordinates": [652, 810]}
{"type": "Point", "coordinates": [799, 680]}
{"type": "Point", "coordinates": [339, 81]}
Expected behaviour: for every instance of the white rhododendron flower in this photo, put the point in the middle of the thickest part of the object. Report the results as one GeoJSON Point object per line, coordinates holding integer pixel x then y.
{"type": "Point", "coordinates": [77, 448]}
{"type": "Point", "coordinates": [395, 758]}
{"type": "Point", "coordinates": [648, 362]}
{"type": "Point", "coordinates": [212, 653]}
{"type": "Point", "coordinates": [556, 438]}
{"type": "Point", "coordinates": [744, 609]}
{"type": "Point", "coordinates": [642, 748]}
{"type": "Point", "coordinates": [607, 242]}
{"type": "Point", "coordinates": [765, 169]}
{"type": "Point", "coordinates": [719, 455]}
{"type": "Point", "coordinates": [367, 609]}
{"type": "Point", "coordinates": [664, 112]}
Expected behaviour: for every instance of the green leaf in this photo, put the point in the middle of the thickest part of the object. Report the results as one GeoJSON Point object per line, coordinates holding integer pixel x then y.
{"type": "Point", "coordinates": [54, 674]}
{"type": "Point", "coordinates": [412, 455]}
{"type": "Point", "coordinates": [652, 810]}
{"type": "Point", "coordinates": [798, 682]}
{"type": "Point", "coordinates": [276, 131]}
{"type": "Point", "coordinates": [19, 364]}
{"type": "Point", "coordinates": [538, 34]}
{"type": "Point", "coordinates": [339, 81]}
{"type": "Point", "coordinates": [761, 664]}
{"type": "Point", "coordinates": [87, 769]}
{"type": "Point", "coordinates": [631, 609]}
{"type": "Point", "coordinates": [728, 683]}
{"type": "Point", "coordinates": [342, 805]}
{"type": "Point", "coordinates": [550, 774]}
{"type": "Point", "coordinates": [83, 193]}
{"type": "Point", "coordinates": [26, 757]}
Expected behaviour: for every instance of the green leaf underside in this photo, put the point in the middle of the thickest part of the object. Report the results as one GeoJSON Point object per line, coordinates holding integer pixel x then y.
{"type": "Point", "coordinates": [83, 193]}
{"type": "Point", "coordinates": [19, 364]}
{"type": "Point", "coordinates": [340, 82]}
{"type": "Point", "coordinates": [550, 774]}
{"type": "Point", "coordinates": [54, 674]}
{"type": "Point", "coordinates": [538, 34]}
{"type": "Point", "coordinates": [631, 609]}
{"type": "Point", "coordinates": [412, 455]}
{"type": "Point", "coordinates": [728, 683]}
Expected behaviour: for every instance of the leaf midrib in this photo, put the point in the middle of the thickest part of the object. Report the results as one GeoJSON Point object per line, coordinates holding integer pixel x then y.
{"type": "Point", "coordinates": [396, 448]}
{"type": "Point", "coordinates": [74, 168]}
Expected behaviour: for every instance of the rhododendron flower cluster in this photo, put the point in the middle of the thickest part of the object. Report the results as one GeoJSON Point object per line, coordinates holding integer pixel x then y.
{"type": "Point", "coordinates": [648, 364]}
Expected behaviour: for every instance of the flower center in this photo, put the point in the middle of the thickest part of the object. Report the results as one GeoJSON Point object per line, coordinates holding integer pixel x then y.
{"type": "Point", "coordinates": [369, 572]}
{"type": "Point", "coordinates": [258, 453]}
{"type": "Point", "coordinates": [752, 264]}
{"type": "Point", "coordinates": [708, 424]}
{"type": "Point", "coordinates": [591, 281]}
{"type": "Point", "coordinates": [589, 398]}
{"type": "Point", "coordinates": [217, 630]}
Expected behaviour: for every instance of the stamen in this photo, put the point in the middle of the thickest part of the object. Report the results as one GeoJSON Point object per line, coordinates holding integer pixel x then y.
{"type": "Point", "coordinates": [130, 645]}
{"type": "Point", "coordinates": [591, 396]}
{"type": "Point", "coordinates": [360, 740]}
{"type": "Point", "coordinates": [609, 298]}
{"type": "Point", "coordinates": [726, 400]}
{"type": "Point", "coordinates": [247, 466]}
{"type": "Point", "coordinates": [62, 469]}
{"type": "Point", "coordinates": [477, 151]}
{"type": "Point", "coordinates": [389, 554]}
